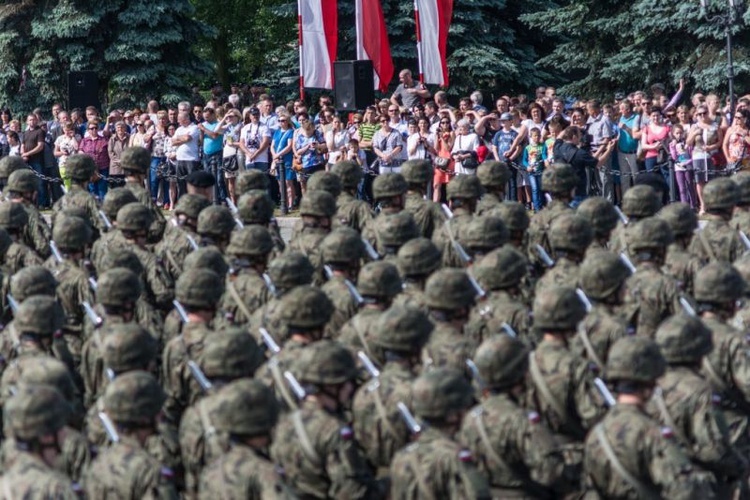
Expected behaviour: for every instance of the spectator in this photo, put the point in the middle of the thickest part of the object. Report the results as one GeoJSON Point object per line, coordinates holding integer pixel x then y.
{"type": "Point", "coordinates": [445, 138]}
{"type": "Point", "coordinates": [5, 118]}
{"type": "Point", "coordinates": [627, 145]}
{"type": "Point", "coordinates": [171, 152]}
{"type": "Point", "coordinates": [599, 128]}
{"type": "Point", "coordinates": [367, 129]}
{"type": "Point", "coordinates": [421, 143]}
{"type": "Point", "coordinates": [157, 137]}
{"type": "Point", "coordinates": [267, 115]}
{"type": "Point", "coordinates": [464, 149]}
{"type": "Point", "coordinates": [66, 145]}
{"type": "Point", "coordinates": [118, 142]}
{"type": "Point", "coordinates": [305, 147]}
{"type": "Point", "coordinates": [683, 166]}
{"type": "Point", "coordinates": [186, 139]}
{"type": "Point", "coordinates": [337, 140]}
{"type": "Point", "coordinates": [281, 154]}
{"type": "Point", "coordinates": [95, 145]}
{"type": "Point", "coordinates": [409, 93]}
{"type": "Point", "coordinates": [32, 152]}
{"type": "Point", "coordinates": [255, 139]}
{"type": "Point", "coordinates": [213, 145]}
{"type": "Point", "coordinates": [14, 143]}
{"type": "Point", "coordinates": [654, 142]}
{"type": "Point", "coordinates": [736, 142]}
{"type": "Point", "coordinates": [534, 157]}
{"type": "Point", "coordinates": [567, 149]}
{"type": "Point", "coordinates": [388, 144]}
{"type": "Point", "coordinates": [231, 126]}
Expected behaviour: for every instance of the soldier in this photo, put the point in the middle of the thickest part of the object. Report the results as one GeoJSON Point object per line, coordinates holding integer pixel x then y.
{"type": "Point", "coordinates": [501, 274]}
{"type": "Point", "coordinates": [176, 243]}
{"type": "Point", "coordinates": [493, 176]}
{"type": "Point", "coordinates": [215, 226]}
{"type": "Point", "coordinates": [14, 220]}
{"type": "Point", "coordinates": [247, 413]}
{"type": "Point", "coordinates": [350, 211]}
{"type": "Point", "coordinates": [251, 180]}
{"type": "Point", "coordinates": [435, 465]}
{"type": "Point", "coordinates": [136, 162]}
{"type": "Point", "coordinates": [416, 261]}
{"type": "Point", "coordinates": [638, 203]}
{"type": "Point", "coordinates": [256, 208]}
{"type": "Point", "coordinates": [125, 469]}
{"type": "Point", "coordinates": [342, 250]}
{"type": "Point", "coordinates": [315, 445]}
{"type": "Point", "coordinates": [718, 240]}
{"type": "Point", "coordinates": [427, 214]}
{"type": "Point", "coordinates": [679, 263]}
{"type": "Point", "coordinates": [741, 218]}
{"type": "Point", "coordinates": [483, 235]}
{"type": "Point", "coordinates": [602, 219]}
{"type": "Point", "coordinates": [399, 334]}
{"type": "Point", "coordinates": [516, 220]}
{"type": "Point", "coordinates": [34, 418]}
{"type": "Point", "coordinates": [23, 188]}
{"type": "Point", "coordinates": [463, 192]}
{"type": "Point", "coordinates": [512, 447]}
{"type": "Point", "coordinates": [8, 165]}
{"type": "Point", "coordinates": [392, 231]}
{"type": "Point", "coordinates": [684, 401]}
{"type": "Point", "coordinates": [389, 193]}
{"type": "Point", "coordinates": [628, 455]}
{"type": "Point", "coordinates": [32, 280]}
{"type": "Point", "coordinates": [569, 237]}
{"type": "Point", "coordinates": [741, 318]}
{"type": "Point", "coordinates": [316, 210]}
{"type": "Point", "coordinates": [603, 277]}
{"type": "Point", "coordinates": [80, 168]}
{"type": "Point", "coordinates": [650, 295]}
{"type": "Point", "coordinates": [114, 200]}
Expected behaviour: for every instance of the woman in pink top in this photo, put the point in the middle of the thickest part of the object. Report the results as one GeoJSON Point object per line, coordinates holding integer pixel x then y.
{"type": "Point", "coordinates": [654, 140]}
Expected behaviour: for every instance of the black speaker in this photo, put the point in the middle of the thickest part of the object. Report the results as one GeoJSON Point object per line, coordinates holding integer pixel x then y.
{"type": "Point", "coordinates": [83, 89]}
{"type": "Point", "coordinates": [353, 85]}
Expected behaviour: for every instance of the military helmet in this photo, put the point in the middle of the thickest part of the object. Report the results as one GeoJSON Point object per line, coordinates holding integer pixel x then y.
{"type": "Point", "coordinates": [635, 359]}
{"type": "Point", "coordinates": [318, 204]}
{"type": "Point", "coordinates": [306, 307]}
{"type": "Point", "coordinates": [191, 205]}
{"type": "Point", "coordinates": [9, 164]}
{"type": "Point", "coordinates": [254, 241]}
{"type": "Point", "coordinates": [47, 370]}
{"type": "Point", "coordinates": [502, 268]}
{"type": "Point", "coordinates": [342, 246]}
{"type": "Point", "coordinates": [742, 265]}
{"type": "Point", "coordinates": [13, 216]}
{"type": "Point", "coordinates": [32, 280]}
{"type": "Point", "coordinates": [721, 194]}
{"type": "Point", "coordinates": [115, 199]}
{"type": "Point", "coordinates": [135, 159]}
{"type": "Point", "coordinates": [215, 220]}
{"type": "Point", "coordinates": [35, 411]}
{"type": "Point", "coordinates": [325, 362]}
{"type": "Point", "coordinates": [134, 398]}
{"type": "Point", "coordinates": [559, 179]}
{"type": "Point", "coordinates": [718, 283]}
{"type": "Point", "coordinates": [742, 180]}
{"type": "Point", "coordinates": [199, 288]}
{"type": "Point", "coordinates": [418, 257]}
{"type": "Point", "coordinates": [325, 181]}
{"type": "Point", "coordinates": [230, 354]}
{"type": "Point", "coordinates": [402, 329]}
{"type": "Point", "coordinates": [80, 167]}
{"type": "Point", "coordinates": [349, 172]}
{"type": "Point", "coordinates": [485, 233]}
{"type": "Point", "coordinates": [23, 181]}
{"type": "Point", "coordinates": [71, 233]}
{"type": "Point", "coordinates": [245, 407]}
{"type": "Point", "coordinates": [39, 315]}
{"type": "Point", "coordinates": [207, 258]}
{"type": "Point", "coordinates": [513, 214]}
{"type": "Point", "coordinates": [602, 274]}
{"type": "Point", "coordinates": [134, 217]}
{"type": "Point", "coordinates": [255, 207]}
{"type": "Point", "coordinates": [649, 233]}
{"type": "Point", "coordinates": [449, 289]}
{"type": "Point", "coordinates": [464, 187]}
{"type": "Point", "coordinates": [493, 174]}
{"type": "Point", "coordinates": [290, 269]}
{"type": "Point", "coordinates": [680, 217]}
{"type": "Point", "coordinates": [393, 230]}
{"type": "Point", "coordinates": [379, 279]}
{"type": "Point", "coordinates": [389, 185]}
{"type": "Point", "coordinates": [557, 308]}
{"type": "Point", "coordinates": [570, 232]}
{"type": "Point", "coordinates": [127, 347]}
{"type": "Point", "coordinates": [251, 180]}
{"type": "Point", "coordinates": [117, 287]}
{"type": "Point", "coordinates": [122, 257]}
{"type": "Point", "coordinates": [641, 201]}
{"type": "Point", "coordinates": [417, 172]}
{"type": "Point", "coordinates": [683, 339]}
{"type": "Point", "coordinates": [600, 215]}
{"type": "Point", "coordinates": [5, 243]}
{"type": "Point", "coordinates": [502, 362]}
{"type": "Point", "coordinates": [438, 392]}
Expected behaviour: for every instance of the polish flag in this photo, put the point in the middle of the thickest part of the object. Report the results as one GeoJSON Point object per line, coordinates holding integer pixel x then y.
{"type": "Point", "coordinates": [433, 18]}
{"type": "Point", "coordinates": [318, 41]}
{"type": "Point", "coordinates": [372, 41]}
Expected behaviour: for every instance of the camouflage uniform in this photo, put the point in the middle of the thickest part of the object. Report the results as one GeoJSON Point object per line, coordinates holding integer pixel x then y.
{"type": "Point", "coordinates": [638, 203]}
{"type": "Point", "coordinates": [36, 234]}
{"type": "Point", "coordinates": [33, 280]}
{"type": "Point", "coordinates": [484, 234]}
{"type": "Point", "coordinates": [680, 264]}
{"type": "Point", "coordinates": [427, 214]}
{"type": "Point", "coordinates": [350, 211]}
{"type": "Point", "coordinates": [114, 200]}
{"type": "Point", "coordinates": [389, 191]}
{"type": "Point", "coordinates": [392, 231]}
{"type": "Point", "coordinates": [463, 192]}
{"type": "Point", "coordinates": [342, 251]}
{"type": "Point", "coordinates": [741, 217]}
{"type": "Point", "coordinates": [741, 318]}
{"type": "Point", "coordinates": [602, 219]}
{"type": "Point", "coordinates": [516, 220]}
{"type": "Point", "coordinates": [416, 260]}
{"type": "Point", "coordinates": [13, 219]}
{"type": "Point", "coordinates": [176, 244]}
{"type": "Point", "coordinates": [316, 209]}
{"type": "Point", "coordinates": [136, 162]}
{"type": "Point", "coordinates": [718, 240]}
{"type": "Point", "coordinates": [494, 176]}
{"type": "Point", "coordinates": [80, 168]}
{"type": "Point", "coordinates": [256, 208]}
{"type": "Point", "coordinates": [569, 236]}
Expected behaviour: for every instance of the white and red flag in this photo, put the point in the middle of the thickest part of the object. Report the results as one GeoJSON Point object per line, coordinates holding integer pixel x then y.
{"type": "Point", "coordinates": [318, 42]}
{"type": "Point", "coordinates": [433, 18]}
{"type": "Point", "coordinates": [372, 41]}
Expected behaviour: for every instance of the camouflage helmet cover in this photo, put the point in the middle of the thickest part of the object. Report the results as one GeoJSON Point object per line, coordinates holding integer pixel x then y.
{"type": "Point", "coordinates": [683, 339]}
{"type": "Point", "coordinates": [438, 392]}
{"type": "Point", "coordinates": [635, 359]}
{"type": "Point", "coordinates": [134, 398]}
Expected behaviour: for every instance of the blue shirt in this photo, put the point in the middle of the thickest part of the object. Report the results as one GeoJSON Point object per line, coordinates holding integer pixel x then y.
{"type": "Point", "coordinates": [626, 143]}
{"type": "Point", "coordinates": [281, 139]}
{"type": "Point", "coordinates": [212, 146]}
{"type": "Point", "coordinates": [503, 140]}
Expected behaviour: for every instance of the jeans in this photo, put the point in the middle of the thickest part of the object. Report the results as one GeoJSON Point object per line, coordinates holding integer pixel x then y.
{"type": "Point", "coordinates": [535, 180]}
{"type": "Point", "coordinates": [512, 185]}
{"type": "Point", "coordinates": [663, 169]}
{"type": "Point", "coordinates": [42, 199]}
{"type": "Point", "coordinates": [257, 165]}
{"type": "Point", "coordinates": [154, 181]}
{"type": "Point", "coordinates": [185, 168]}
{"type": "Point", "coordinates": [211, 163]}
{"type": "Point", "coordinates": [99, 188]}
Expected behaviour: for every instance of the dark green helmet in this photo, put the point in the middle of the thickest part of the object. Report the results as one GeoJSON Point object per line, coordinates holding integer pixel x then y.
{"type": "Point", "coordinates": [742, 265]}
{"type": "Point", "coordinates": [569, 232]}
{"type": "Point", "coordinates": [718, 283]}
{"type": "Point", "coordinates": [122, 257]}
{"type": "Point", "coordinates": [485, 233]}
{"type": "Point", "coordinates": [9, 164]}
{"type": "Point", "coordinates": [207, 258]}
{"type": "Point", "coordinates": [216, 221]}
{"type": "Point", "coordinates": [251, 180]}
{"type": "Point", "coordinates": [559, 179]}
{"type": "Point", "coordinates": [437, 393]}
{"type": "Point", "coordinates": [134, 217]}
{"type": "Point", "coordinates": [721, 194]}
{"type": "Point", "coordinates": [39, 315]}
{"type": "Point", "coordinates": [115, 199]}
{"type": "Point", "coordinates": [402, 329]}
{"type": "Point", "coordinates": [449, 290]}
{"type": "Point", "coordinates": [134, 398]}
{"type": "Point", "coordinates": [680, 217]}
{"type": "Point", "coordinates": [557, 308]}
{"type": "Point", "coordinates": [23, 181]}
{"type": "Point", "coordinates": [255, 207]}
{"type": "Point", "coordinates": [35, 411]}
{"type": "Point", "coordinates": [649, 233]}
{"type": "Point", "coordinates": [641, 201]}
{"type": "Point", "coordinates": [13, 216]}
{"type": "Point", "coordinates": [199, 288]}
{"type": "Point", "coordinates": [389, 185]}
{"type": "Point", "coordinates": [117, 287]}
{"type": "Point", "coordinates": [464, 187]}
{"type": "Point", "coordinates": [601, 274]}
{"type": "Point", "coordinates": [46, 370]}
{"type": "Point", "coordinates": [71, 233]}
{"type": "Point", "coordinates": [502, 362]}
{"type": "Point", "coordinates": [600, 215]}
{"type": "Point", "coordinates": [325, 363]}
{"type": "Point", "coordinates": [513, 214]}
{"type": "Point", "coordinates": [417, 172]}
{"type": "Point", "coordinates": [502, 268]}
{"type": "Point", "coordinates": [393, 230]}
{"type": "Point", "coordinates": [342, 246]}
{"type": "Point", "coordinates": [128, 347]}
{"type": "Point", "coordinates": [418, 257]}
{"type": "Point", "coordinates": [349, 172]}
{"type": "Point", "coordinates": [325, 181]}
{"type": "Point", "coordinates": [230, 354]}
{"type": "Point", "coordinates": [635, 359]}
{"type": "Point", "coordinates": [380, 280]}
{"type": "Point", "coordinates": [318, 204]}
{"type": "Point", "coordinates": [32, 280]}
{"type": "Point", "coordinates": [246, 407]}
{"type": "Point", "coordinates": [135, 159]}
{"type": "Point", "coordinates": [742, 180]}
{"type": "Point", "coordinates": [683, 339]}
{"type": "Point", "coordinates": [306, 307]}
{"type": "Point", "coordinates": [291, 269]}
{"type": "Point", "coordinates": [191, 205]}
{"type": "Point", "coordinates": [80, 167]}
{"type": "Point", "coordinates": [493, 174]}
{"type": "Point", "coordinates": [253, 241]}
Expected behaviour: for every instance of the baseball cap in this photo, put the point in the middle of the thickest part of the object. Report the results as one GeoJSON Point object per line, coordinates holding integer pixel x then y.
{"type": "Point", "coordinates": [506, 116]}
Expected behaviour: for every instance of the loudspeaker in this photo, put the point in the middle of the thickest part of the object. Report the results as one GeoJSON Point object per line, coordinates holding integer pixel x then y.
{"type": "Point", "coordinates": [353, 85]}
{"type": "Point", "coordinates": [83, 89]}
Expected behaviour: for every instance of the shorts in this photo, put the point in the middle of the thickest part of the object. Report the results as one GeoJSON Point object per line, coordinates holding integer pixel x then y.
{"type": "Point", "coordinates": [522, 179]}
{"type": "Point", "coordinates": [307, 172]}
{"type": "Point", "coordinates": [230, 167]}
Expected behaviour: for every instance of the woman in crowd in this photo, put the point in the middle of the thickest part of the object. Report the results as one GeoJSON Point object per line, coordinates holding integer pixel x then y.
{"type": "Point", "coordinates": [95, 145]}
{"type": "Point", "coordinates": [736, 140]}
{"type": "Point", "coordinates": [337, 140]}
{"type": "Point", "coordinates": [66, 145]}
{"type": "Point", "coordinates": [118, 142]}
{"type": "Point", "coordinates": [157, 136]}
{"type": "Point", "coordinates": [706, 139]}
{"type": "Point", "coordinates": [464, 149]}
{"type": "Point", "coordinates": [306, 147]}
{"type": "Point", "coordinates": [139, 136]}
{"type": "Point", "coordinates": [171, 152]}
{"type": "Point", "coordinates": [281, 155]}
{"type": "Point", "coordinates": [421, 143]}
{"type": "Point", "coordinates": [444, 171]}
{"type": "Point", "coordinates": [230, 127]}
{"type": "Point", "coordinates": [5, 117]}
{"type": "Point", "coordinates": [654, 141]}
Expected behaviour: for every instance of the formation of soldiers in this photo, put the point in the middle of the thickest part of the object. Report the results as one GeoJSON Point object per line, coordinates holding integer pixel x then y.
{"type": "Point", "coordinates": [426, 351]}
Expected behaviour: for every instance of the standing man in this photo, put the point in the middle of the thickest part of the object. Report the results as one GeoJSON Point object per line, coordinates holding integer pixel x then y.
{"type": "Point", "coordinates": [32, 152]}
{"type": "Point", "coordinates": [627, 144]}
{"type": "Point", "coordinates": [213, 146]}
{"type": "Point", "coordinates": [186, 138]}
{"type": "Point", "coordinates": [409, 93]}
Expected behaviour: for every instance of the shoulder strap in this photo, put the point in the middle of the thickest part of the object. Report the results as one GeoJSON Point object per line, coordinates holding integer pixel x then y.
{"type": "Point", "coordinates": [479, 424]}
{"type": "Point", "coordinates": [661, 404]}
{"type": "Point", "coordinates": [584, 336]}
{"type": "Point", "coordinates": [278, 380]}
{"type": "Point", "coordinates": [361, 335]}
{"type": "Point", "coordinates": [422, 487]}
{"type": "Point", "coordinates": [642, 490]}
{"type": "Point", "coordinates": [544, 390]}
{"type": "Point", "coordinates": [208, 427]}
{"type": "Point", "coordinates": [236, 296]}
{"type": "Point", "coordinates": [172, 260]}
{"type": "Point", "coordinates": [380, 407]}
{"type": "Point", "coordinates": [706, 246]}
{"type": "Point", "coordinates": [304, 439]}
{"type": "Point", "coordinates": [714, 377]}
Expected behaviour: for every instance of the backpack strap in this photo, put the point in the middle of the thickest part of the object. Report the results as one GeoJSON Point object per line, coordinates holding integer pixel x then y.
{"type": "Point", "coordinates": [706, 245]}
{"type": "Point", "coordinates": [423, 489]}
{"type": "Point", "coordinates": [304, 439]}
{"type": "Point", "coordinates": [643, 491]}
{"type": "Point", "coordinates": [380, 407]}
{"type": "Point", "coordinates": [661, 405]}
{"type": "Point", "coordinates": [544, 390]}
{"type": "Point", "coordinates": [280, 384]}
{"type": "Point", "coordinates": [590, 351]}
{"type": "Point", "coordinates": [482, 430]}
{"type": "Point", "coordinates": [238, 299]}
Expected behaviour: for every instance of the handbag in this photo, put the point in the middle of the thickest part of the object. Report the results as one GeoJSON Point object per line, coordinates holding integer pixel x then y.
{"type": "Point", "coordinates": [472, 162]}
{"type": "Point", "coordinates": [297, 164]}
{"type": "Point", "coordinates": [445, 165]}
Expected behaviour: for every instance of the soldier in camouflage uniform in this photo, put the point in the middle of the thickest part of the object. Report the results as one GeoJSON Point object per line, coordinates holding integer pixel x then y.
{"type": "Point", "coordinates": [650, 295]}
{"type": "Point", "coordinates": [603, 277]}
{"type": "Point", "coordinates": [684, 401]}
{"type": "Point", "coordinates": [246, 412]}
{"type": "Point", "coordinates": [14, 220]}
{"type": "Point", "coordinates": [32, 280]}
{"type": "Point", "coordinates": [718, 240]}
{"type": "Point", "coordinates": [136, 162]}
{"type": "Point", "coordinates": [8, 165]}
{"type": "Point", "coordinates": [176, 243]}
{"type": "Point", "coordinates": [80, 168]}
{"type": "Point", "coordinates": [416, 261]}
{"type": "Point", "coordinates": [569, 236]}
{"type": "Point", "coordinates": [23, 188]}
{"type": "Point", "coordinates": [500, 274]}
{"type": "Point", "coordinates": [494, 177]}
{"type": "Point", "coordinates": [741, 318]}
{"type": "Point", "coordinates": [392, 231]}
{"type": "Point", "coordinates": [399, 334]}
{"type": "Point", "coordinates": [251, 180]}
{"type": "Point", "coordinates": [256, 208]}
{"type": "Point", "coordinates": [628, 455]}
{"type": "Point", "coordinates": [350, 211]}
{"type": "Point", "coordinates": [215, 226]}
{"type": "Point", "coordinates": [483, 235]}
{"type": "Point", "coordinates": [516, 220]}
{"type": "Point", "coordinates": [741, 218]}
{"type": "Point", "coordinates": [602, 219]}
{"type": "Point", "coordinates": [389, 193]}
{"type": "Point", "coordinates": [638, 203]}
{"type": "Point", "coordinates": [125, 469]}
{"type": "Point", "coordinates": [512, 447]}
{"type": "Point", "coordinates": [315, 444]}
{"type": "Point", "coordinates": [34, 418]}
{"type": "Point", "coordinates": [463, 193]}
{"type": "Point", "coordinates": [316, 209]}
{"type": "Point", "coordinates": [427, 214]}
{"type": "Point", "coordinates": [435, 465]}
{"type": "Point", "coordinates": [342, 250]}
{"type": "Point", "coordinates": [114, 200]}
{"type": "Point", "coordinates": [679, 263]}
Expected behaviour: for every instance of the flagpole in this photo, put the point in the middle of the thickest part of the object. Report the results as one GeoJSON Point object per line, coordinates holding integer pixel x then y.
{"type": "Point", "coordinates": [419, 41]}
{"type": "Point", "coordinates": [301, 58]}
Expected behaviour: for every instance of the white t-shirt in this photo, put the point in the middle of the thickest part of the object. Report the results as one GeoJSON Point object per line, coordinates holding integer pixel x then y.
{"type": "Point", "coordinates": [188, 151]}
{"type": "Point", "coordinates": [252, 136]}
{"type": "Point", "coordinates": [339, 139]}
{"type": "Point", "coordinates": [468, 142]}
{"type": "Point", "coordinates": [421, 152]}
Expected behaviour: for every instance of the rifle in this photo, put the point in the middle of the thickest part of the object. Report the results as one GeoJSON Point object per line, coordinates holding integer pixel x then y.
{"type": "Point", "coordinates": [586, 302]}
{"type": "Point", "coordinates": [296, 387]}
{"type": "Point", "coordinates": [349, 285]}
{"type": "Point", "coordinates": [55, 251]}
{"type": "Point", "coordinates": [105, 219]}
{"type": "Point", "coordinates": [109, 427]}
{"type": "Point", "coordinates": [370, 250]}
{"type": "Point", "coordinates": [12, 303]}
{"type": "Point", "coordinates": [368, 364]}
{"type": "Point", "coordinates": [623, 218]}
{"type": "Point", "coordinates": [199, 376]}
{"type": "Point", "coordinates": [411, 422]}
{"type": "Point", "coordinates": [234, 210]}
{"type": "Point", "coordinates": [604, 390]}
{"type": "Point", "coordinates": [181, 311]}
{"type": "Point", "coordinates": [95, 318]}
{"type": "Point", "coordinates": [271, 344]}
{"type": "Point", "coordinates": [628, 263]}
{"type": "Point", "coordinates": [543, 255]}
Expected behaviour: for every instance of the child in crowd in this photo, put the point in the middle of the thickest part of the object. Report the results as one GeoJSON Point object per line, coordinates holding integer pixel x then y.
{"type": "Point", "coordinates": [533, 160]}
{"type": "Point", "coordinates": [356, 155]}
{"type": "Point", "coordinates": [14, 143]}
{"type": "Point", "coordinates": [683, 165]}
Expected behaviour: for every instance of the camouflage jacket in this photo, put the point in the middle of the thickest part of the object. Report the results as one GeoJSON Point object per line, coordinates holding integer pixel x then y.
{"type": "Point", "coordinates": [717, 241]}
{"type": "Point", "coordinates": [358, 332]}
{"type": "Point", "coordinates": [37, 233]}
{"type": "Point", "coordinates": [499, 307]}
{"type": "Point", "coordinates": [598, 331]}
{"type": "Point", "coordinates": [448, 347]}
{"type": "Point", "coordinates": [487, 202]}
{"type": "Point", "coordinates": [682, 266]}
{"type": "Point", "coordinates": [156, 230]}
{"type": "Point", "coordinates": [28, 477]}
{"type": "Point", "coordinates": [412, 296]}
{"type": "Point", "coordinates": [272, 373]}
{"type": "Point", "coordinates": [539, 226]}
{"type": "Point", "coordinates": [344, 305]}
{"type": "Point", "coordinates": [78, 197]}
{"type": "Point", "coordinates": [442, 237]}
{"type": "Point", "coordinates": [653, 295]}
{"type": "Point", "coordinates": [563, 273]}
{"type": "Point", "coordinates": [173, 248]}
{"type": "Point", "coordinates": [427, 214]}
{"type": "Point", "coordinates": [351, 212]}
{"type": "Point", "coordinates": [19, 256]}
{"type": "Point", "coordinates": [249, 286]}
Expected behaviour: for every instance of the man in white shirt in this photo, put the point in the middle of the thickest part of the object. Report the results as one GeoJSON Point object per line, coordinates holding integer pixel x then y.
{"type": "Point", "coordinates": [187, 139]}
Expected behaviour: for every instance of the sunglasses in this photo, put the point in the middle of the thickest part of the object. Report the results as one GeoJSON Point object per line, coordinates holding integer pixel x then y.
{"type": "Point", "coordinates": [93, 128]}
{"type": "Point", "coordinates": [282, 121]}
{"type": "Point", "coordinates": [356, 123]}
{"type": "Point", "coordinates": [445, 123]}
